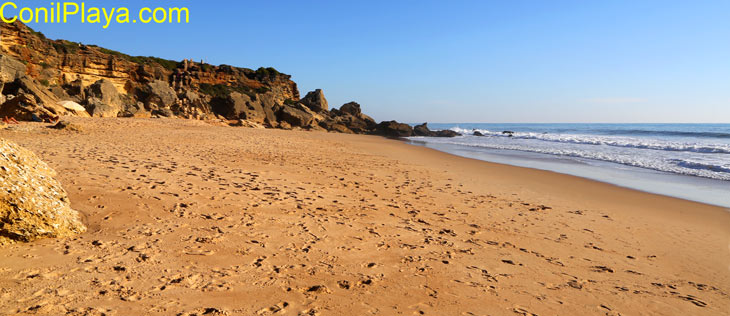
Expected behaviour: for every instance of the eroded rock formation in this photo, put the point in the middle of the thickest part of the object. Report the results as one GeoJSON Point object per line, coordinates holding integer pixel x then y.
{"type": "Point", "coordinates": [46, 73]}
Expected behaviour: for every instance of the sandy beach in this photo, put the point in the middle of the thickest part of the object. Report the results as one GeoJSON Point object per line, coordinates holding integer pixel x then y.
{"type": "Point", "coordinates": [189, 218]}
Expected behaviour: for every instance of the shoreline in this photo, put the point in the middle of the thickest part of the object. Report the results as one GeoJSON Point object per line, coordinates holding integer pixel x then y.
{"type": "Point", "coordinates": [602, 178]}
{"type": "Point", "coordinates": [588, 184]}
{"type": "Point", "coordinates": [186, 217]}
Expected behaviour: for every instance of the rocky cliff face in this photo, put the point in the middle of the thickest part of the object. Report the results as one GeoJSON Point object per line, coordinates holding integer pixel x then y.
{"type": "Point", "coordinates": [62, 62]}
{"type": "Point", "coordinates": [68, 70]}
{"type": "Point", "coordinates": [41, 79]}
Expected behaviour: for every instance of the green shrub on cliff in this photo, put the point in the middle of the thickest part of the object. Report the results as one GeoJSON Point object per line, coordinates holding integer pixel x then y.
{"type": "Point", "coordinates": [264, 73]}
{"type": "Point", "coordinates": [67, 47]}
{"type": "Point", "coordinates": [222, 91]}
{"type": "Point", "coordinates": [165, 63]}
{"type": "Point", "coordinates": [37, 33]}
{"type": "Point", "coordinates": [216, 91]}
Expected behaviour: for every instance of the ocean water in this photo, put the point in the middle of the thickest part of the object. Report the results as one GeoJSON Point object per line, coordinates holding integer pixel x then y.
{"type": "Point", "coordinates": [690, 161]}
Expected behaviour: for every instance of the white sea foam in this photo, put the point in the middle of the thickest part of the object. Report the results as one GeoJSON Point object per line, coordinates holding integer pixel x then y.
{"type": "Point", "coordinates": [616, 141]}
{"type": "Point", "coordinates": [699, 158]}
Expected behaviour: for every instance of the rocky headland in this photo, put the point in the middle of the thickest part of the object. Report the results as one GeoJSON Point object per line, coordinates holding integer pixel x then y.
{"type": "Point", "coordinates": [42, 79]}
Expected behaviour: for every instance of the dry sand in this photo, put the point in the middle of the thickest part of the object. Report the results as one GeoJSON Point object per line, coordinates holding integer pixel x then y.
{"type": "Point", "coordinates": [188, 218]}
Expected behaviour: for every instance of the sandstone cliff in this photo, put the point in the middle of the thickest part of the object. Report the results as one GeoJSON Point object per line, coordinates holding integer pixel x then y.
{"type": "Point", "coordinates": [42, 79]}
{"type": "Point", "coordinates": [68, 68]}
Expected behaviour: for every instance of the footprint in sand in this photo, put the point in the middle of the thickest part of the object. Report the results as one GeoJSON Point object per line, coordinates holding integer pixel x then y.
{"type": "Point", "coordinates": [279, 308]}
{"type": "Point", "coordinates": [601, 269]}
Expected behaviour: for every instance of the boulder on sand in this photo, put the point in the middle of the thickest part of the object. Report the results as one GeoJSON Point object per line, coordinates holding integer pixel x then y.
{"type": "Point", "coordinates": [71, 105]}
{"type": "Point", "coordinates": [75, 108]}
{"type": "Point", "coordinates": [103, 99]}
{"type": "Point", "coordinates": [159, 95]}
{"type": "Point", "coordinates": [236, 105]}
{"type": "Point", "coordinates": [37, 206]}
{"type": "Point", "coordinates": [66, 125]}
{"type": "Point", "coordinates": [295, 117]}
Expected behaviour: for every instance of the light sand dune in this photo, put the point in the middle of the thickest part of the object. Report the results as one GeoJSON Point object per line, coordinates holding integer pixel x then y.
{"type": "Point", "coordinates": [187, 218]}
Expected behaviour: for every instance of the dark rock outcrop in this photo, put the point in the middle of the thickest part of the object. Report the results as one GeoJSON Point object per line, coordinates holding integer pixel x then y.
{"type": "Point", "coordinates": [352, 108]}
{"type": "Point", "coordinates": [423, 130]}
{"type": "Point", "coordinates": [355, 124]}
{"type": "Point", "coordinates": [478, 133]}
{"type": "Point", "coordinates": [446, 133]}
{"type": "Point", "coordinates": [394, 129]}
{"type": "Point", "coordinates": [350, 116]}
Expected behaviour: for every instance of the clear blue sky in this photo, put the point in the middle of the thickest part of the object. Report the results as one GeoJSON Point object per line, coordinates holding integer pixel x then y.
{"type": "Point", "coordinates": [461, 61]}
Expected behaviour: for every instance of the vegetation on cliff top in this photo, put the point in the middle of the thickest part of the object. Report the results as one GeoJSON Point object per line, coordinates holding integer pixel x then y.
{"type": "Point", "coordinates": [165, 63]}
{"type": "Point", "coordinates": [268, 73]}
{"type": "Point", "coordinates": [69, 47]}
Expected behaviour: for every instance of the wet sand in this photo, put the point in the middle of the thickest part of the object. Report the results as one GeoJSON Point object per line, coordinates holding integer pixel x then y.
{"type": "Point", "coordinates": [188, 218]}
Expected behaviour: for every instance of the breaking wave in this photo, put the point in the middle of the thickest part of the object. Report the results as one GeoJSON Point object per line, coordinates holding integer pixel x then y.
{"type": "Point", "coordinates": [615, 141]}
{"type": "Point", "coordinates": [689, 150]}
